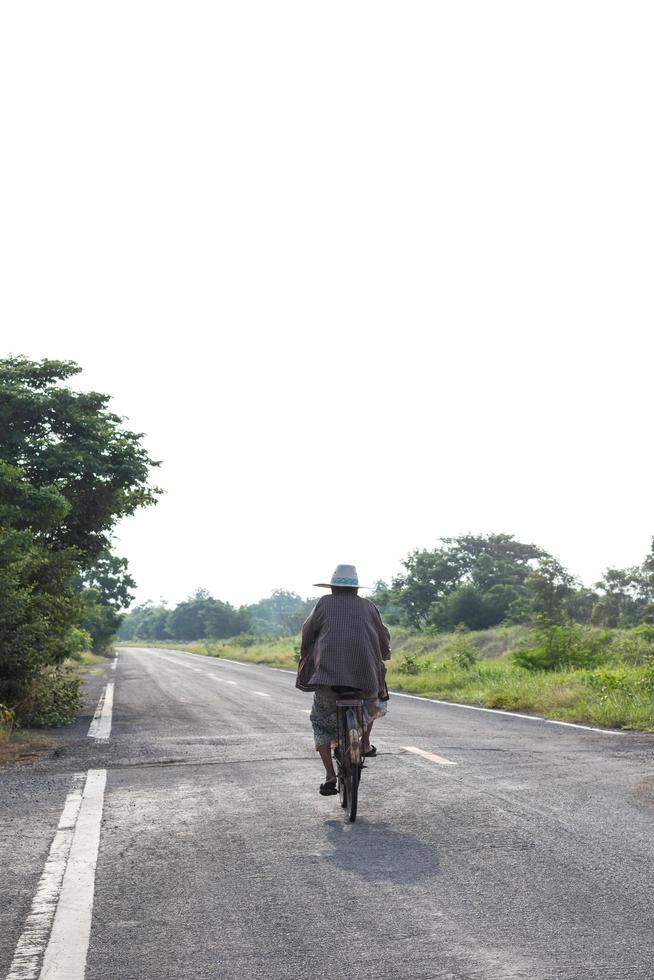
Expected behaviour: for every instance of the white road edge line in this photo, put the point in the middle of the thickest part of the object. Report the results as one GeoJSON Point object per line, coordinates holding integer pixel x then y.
{"type": "Point", "coordinates": [66, 953]}
{"type": "Point", "coordinates": [61, 911]}
{"type": "Point", "coordinates": [429, 755]}
{"type": "Point", "coordinates": [100, 727]}
{"type": "Point", "coordinates": [203, 656]}
{"type": "Point", "coordinates": [508, 714]}
{"type": "Point", "coordinates": [34, 938]}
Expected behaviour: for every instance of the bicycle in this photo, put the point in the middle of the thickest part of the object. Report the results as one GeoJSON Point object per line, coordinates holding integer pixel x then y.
{"type": "Point", "coordinates": [349, 753]}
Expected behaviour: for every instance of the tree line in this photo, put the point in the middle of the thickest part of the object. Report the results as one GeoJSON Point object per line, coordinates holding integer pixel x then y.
{"type": "Point", "coordinates": [69, 470]}
{"type": "Point", "coordinates": [477, 581]}
{"type": "Point", "coordinates": [480, 581]}
{"type": "Point", "coordinates": [201, 617]}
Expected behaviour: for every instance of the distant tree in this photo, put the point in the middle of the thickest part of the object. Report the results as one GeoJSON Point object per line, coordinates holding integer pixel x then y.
{"type": "Point", "coordinates": [429, 576]}
{"type": "Point", "coordinates": [386, 598]}
{"type": "Point", "coordinates": [202, 617]}
{"type": "Point", "coordinates": [282, 613]}
{"type": "Point", "coordinates": [465, 606]}
{"type": "Point", "coordinates": [625, 594]}
{"type": "Point", "coordinates": [549, 586]}
{"type": "Point", "coordinates": [145, 622]}
{"type": "Point", "coordinates": [186, 621]}
{"type": "Point", "coordinates": [580, 603]}
{"type": "Point", "coordinates": [492, 569]}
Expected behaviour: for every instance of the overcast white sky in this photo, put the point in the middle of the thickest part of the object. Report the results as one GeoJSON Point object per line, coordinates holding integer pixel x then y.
{"type": "Point", "coordinates": [365, 273]}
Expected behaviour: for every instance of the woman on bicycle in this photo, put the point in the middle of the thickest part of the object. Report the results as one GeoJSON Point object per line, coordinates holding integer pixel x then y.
{"type": "Point", "coordinates": [344, 645]}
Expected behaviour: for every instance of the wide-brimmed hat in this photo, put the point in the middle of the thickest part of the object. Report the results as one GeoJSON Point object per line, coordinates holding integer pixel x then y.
{"type": "Point", "coordinates": [345, 576]}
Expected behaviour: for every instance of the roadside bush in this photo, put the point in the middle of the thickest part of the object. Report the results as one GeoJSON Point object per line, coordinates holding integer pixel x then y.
{"type": "Point", "coordinates": [563, 646]}
{"type": "Point", "coordinates": [627, 681]}
{"type": "Point", "coordinates": [464, 651]}
{"type": "Point", "coordinates": [245, 640]}
{"type": "Point", "coordinates": [7, 718]}
{"type": "Point", "coordinates": [410, 664]}
{"type": "Point", "coordinates": [52, 699]}
{"type": "Point", "coordinates": [634, 646]}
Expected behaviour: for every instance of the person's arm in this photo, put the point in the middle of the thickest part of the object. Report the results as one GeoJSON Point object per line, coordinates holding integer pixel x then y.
{"type": "Point", "coordinates": [383, 633]}
{"type": "Point", "coordinates": [310, 631]}
{"type": "Point", "coordinates": [308, 635]}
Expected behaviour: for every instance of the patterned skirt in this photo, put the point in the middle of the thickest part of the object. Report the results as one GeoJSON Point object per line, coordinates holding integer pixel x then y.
{"type": "Point", "coordinates": [323, 713]}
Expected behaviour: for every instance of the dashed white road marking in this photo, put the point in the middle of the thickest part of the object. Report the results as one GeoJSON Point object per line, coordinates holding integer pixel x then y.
{"type": "Point", "coordinates": [231, 682]}
{"type": "Point", "coordinates": [100, 727]}
{"type": "Point", "coordinates": [418, 697]}
{"type": "Point", "coordinates": [262, 694]}
{"type": "Point", "coordinates": [429, 755]}
{"type": "Point", "coordinates": [56, 933]}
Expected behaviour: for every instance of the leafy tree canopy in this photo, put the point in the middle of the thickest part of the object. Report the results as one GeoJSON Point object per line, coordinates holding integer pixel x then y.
{"type": "Point", "coordinates": [68, 472]}
{"type": "Point", "coordinates": [69, 442]}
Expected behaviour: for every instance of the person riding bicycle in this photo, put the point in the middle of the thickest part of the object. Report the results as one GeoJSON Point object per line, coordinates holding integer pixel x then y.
{"type": "Point", "coordinates": [344, 645]}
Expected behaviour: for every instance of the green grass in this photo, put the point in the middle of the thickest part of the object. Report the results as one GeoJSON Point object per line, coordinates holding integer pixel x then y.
{"type": "Point", "coordinates": [86, 659]}
{"type": "Point", "coordinates": [619, 694]}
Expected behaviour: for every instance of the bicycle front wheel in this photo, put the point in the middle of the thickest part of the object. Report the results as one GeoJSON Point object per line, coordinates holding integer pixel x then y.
{"type": "Point", "coordinates": [352, 792]}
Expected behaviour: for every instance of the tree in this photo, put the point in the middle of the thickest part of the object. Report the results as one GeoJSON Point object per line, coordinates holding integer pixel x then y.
{"type": "Point", "coordinates": [548, 587]}
{"type": "Point", "coordinates": [202, 617]}
{"type": "Point", "coordinates": [494, 566]}
{"type": "Point", "coordinates": [430, 575]}
{"type": "Point", "coordinates": [105, 590]}
{"type": "Point", "coordinates": [626, 592]}
{"type": "Point", "coordinates": [282, 613]}
{"type": "Point", "coordinates": [146, 622]}
{"type": "Point", "coordinates": [39, 607]}
{"type": "Point", "coordinates": [71, 441]}
{"type": "Point", "coordinates": [68, 472]}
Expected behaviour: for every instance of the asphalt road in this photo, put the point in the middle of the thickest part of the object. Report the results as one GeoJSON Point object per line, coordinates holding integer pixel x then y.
{"type": "Point", "coordinates": [215, 857]}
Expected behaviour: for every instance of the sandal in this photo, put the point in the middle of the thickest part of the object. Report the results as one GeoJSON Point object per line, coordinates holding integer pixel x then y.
{"type": "Point", "coordinates": [328, 788]}
{"type": "Point", "coordinates": [371, 751]}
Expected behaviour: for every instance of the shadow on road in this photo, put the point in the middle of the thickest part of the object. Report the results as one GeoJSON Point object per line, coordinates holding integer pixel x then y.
{"type": "Point", "coordinates": [377, 852]}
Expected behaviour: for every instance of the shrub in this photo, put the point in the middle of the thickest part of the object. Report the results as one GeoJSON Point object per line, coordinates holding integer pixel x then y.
{"type": "Point", "coordinates": [411, 665]}
{"type": "Point", "coordinates": [560, 646]}
{"type": "Point", "coordinates": [7, 717]}
{"type": "Point", "coordinates": [629, 682]}
{"type": "Point", "coordinates": [52, 699]}
{"type": "Point", "coordinates": [634, 646]}
{"type": "Point", "coordinates": [464, 651]}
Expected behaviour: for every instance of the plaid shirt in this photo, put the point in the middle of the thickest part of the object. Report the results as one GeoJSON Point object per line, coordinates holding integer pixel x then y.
{"type": "Point", "coordinates": [344, 643]}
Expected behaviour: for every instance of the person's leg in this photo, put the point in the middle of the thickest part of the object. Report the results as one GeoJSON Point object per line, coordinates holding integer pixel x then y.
{"type": "Point", "coordinates": [325, 752]}
{"type": "Point", "coordinates": [366, 738]}
{"type": "Point", "coordinates": [323, 721]}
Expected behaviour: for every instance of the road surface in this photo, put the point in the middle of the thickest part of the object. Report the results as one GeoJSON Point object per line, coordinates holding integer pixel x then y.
{"type": "Point", "coordinates": [184, 837]}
